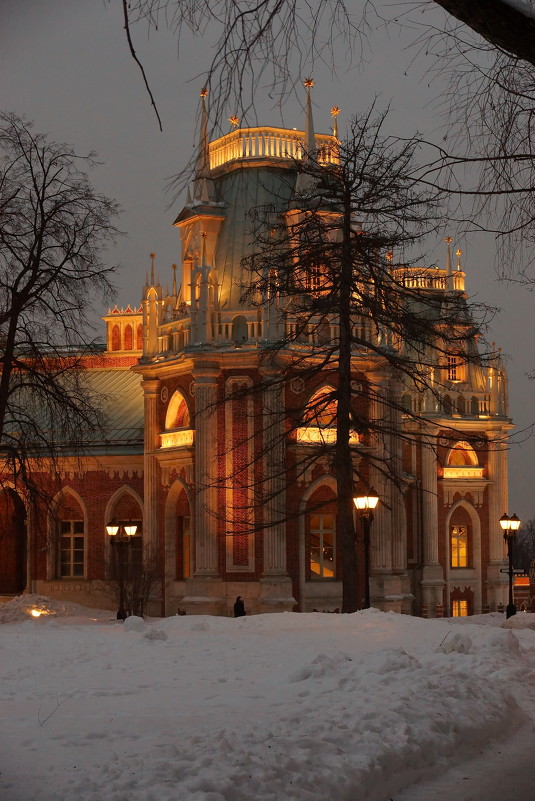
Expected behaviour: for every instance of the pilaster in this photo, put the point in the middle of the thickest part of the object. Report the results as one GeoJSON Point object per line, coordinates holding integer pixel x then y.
{"type": "Point", "coordinates": [206, 550]}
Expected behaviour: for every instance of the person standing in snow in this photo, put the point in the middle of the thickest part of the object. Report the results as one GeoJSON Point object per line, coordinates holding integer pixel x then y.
{"type": "Point", "coordinates": [239, 607]}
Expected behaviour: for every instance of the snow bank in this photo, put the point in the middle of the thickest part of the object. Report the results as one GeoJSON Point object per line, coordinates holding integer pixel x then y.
{"type": "Point", "coordinates": [278, 707]}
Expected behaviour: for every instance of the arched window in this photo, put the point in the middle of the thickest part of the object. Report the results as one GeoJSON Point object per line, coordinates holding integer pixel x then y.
{"type": "Point", "coordinates": [178, 415]}
{"type": "Point", "coordinates": [71, 544]}
{"type": "Point", "coordinates": [139, 337]}
{"type": "Point", "coordinates": [128, 338]}
{"type": "Point", "coordinates": [239, 330]}
{"type": "Point", "coordinates": [321, 409]}
{"type": "Point", "coordinates": [459, 546]}
{"type": "Point", "coordinates": [116, 338]}
{"type": "Point", "coordinates": [462, 455]}
{"type": "Point", "coordinates": [127, 556]}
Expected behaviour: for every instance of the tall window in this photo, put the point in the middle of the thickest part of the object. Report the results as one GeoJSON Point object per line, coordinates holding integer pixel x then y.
{"type": "Point", "coordinates": [455, 368]}
{"type": "Point", "coordinates": [71, 553]}
{"type": "Point", "coordinates": [459, 608]}
{"type": "Point", "coordinates": [322, 553]}
{"type": "Point", "coordinates": [459, 546]}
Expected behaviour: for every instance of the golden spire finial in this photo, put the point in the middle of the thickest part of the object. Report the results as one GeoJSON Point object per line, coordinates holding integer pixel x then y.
{"type": "Point", "coordinates": [448, 239]}
{"type": "Point", "coordinates": [458, 253]}
{"type": "Point", "coordinates": [308, 83]}
{"type": "Point", "coordinates": [234, 121]}
{"type": "Point", "coordinates": [389, 256]}
{"type": "Point", "coordinates": [204, 91]}
{"type": "Point", "coordinates": [335, 111]}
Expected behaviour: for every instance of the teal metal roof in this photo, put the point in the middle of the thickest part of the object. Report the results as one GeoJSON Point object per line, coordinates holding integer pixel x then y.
{"type": "Point", "coordinates": [242, 190]}
{"type": "Point", "coordinates": [122, 405]}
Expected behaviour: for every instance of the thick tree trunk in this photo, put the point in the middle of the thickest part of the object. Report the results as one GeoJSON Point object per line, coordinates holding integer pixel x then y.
{"type": "Point", "coordinates": [343, 466]}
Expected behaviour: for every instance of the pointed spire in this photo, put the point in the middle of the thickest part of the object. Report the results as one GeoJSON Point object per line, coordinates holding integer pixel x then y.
{"type": "Point", "coordinates": [202, 188]}
{"type": "Point", "coordinates": [173, 289]}
{"type": "Point", "coordinates": [448, 254]}
{"type": "Point", "coordinates": [202, 169]}
{"type": "Point", "coordinates": [305, 182]}
{"type": "Point", "coordinates": [449, 275]}
{"type": "Point", "coordinates": [310, 138]}
{"type": "Point", "coordinates": [152, 257]}
{"type": "Point", "coordinates": [203, 253]}
{"type": "Point", "coordinates": [335, 111]}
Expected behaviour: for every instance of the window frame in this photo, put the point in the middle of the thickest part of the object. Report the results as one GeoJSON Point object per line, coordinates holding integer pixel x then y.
{"type": "Point", "coordinates": [320, 531]}
{"type": "Point", "coordinates": [71, 534]}
{"type": "Point", "coordinates": [461, 550]}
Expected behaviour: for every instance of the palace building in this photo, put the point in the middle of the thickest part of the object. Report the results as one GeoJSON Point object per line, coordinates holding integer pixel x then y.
{"type": "Point", "coordinates": [177, 434]}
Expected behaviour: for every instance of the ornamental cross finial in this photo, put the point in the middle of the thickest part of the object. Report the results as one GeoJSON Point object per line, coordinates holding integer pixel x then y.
{"type": "Point", "coordinates": [204, 91]}
{"type": "Point", "coordinates": [458, 253]}
{"type": "Point", "coordinates": [447, 239]}
{"type": "Point", "coordinates": [234, 121]}
{"type": "Point", "coordinates": [308, 83]}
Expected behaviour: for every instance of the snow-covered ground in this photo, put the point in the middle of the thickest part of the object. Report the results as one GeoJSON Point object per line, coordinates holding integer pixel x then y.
{"type": "Point", "coordinates": [281, 707]}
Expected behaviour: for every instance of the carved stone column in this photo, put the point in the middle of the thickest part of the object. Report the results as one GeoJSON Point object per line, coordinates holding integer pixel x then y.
{"type": "Point", "coordinates": [276, 590]}
{"type": "Point", "coordinates": [381, 533]}
{"type": "Point", "coordinates": [497, 497]}
{"type": "Point", "coordinates": [206, 550]}
{"type": "Point", "coordinates": [432, 573]}
{"type": "Point", "coordinates": [150, 472]}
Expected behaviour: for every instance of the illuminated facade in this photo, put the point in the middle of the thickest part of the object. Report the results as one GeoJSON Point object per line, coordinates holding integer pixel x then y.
{"type": "Point", "coordinates": [174, 449]}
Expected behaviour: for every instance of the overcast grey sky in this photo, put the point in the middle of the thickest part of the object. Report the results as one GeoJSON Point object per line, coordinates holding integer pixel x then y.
{"type": "Point", "coordinates": [65, 64]}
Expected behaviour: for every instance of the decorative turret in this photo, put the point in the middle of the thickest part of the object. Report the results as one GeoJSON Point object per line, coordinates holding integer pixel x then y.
{"type": "Point", "coordinates": [152, 309]}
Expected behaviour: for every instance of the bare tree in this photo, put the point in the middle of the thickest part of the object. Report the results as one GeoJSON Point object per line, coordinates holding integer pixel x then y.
{"type": "Point", "coordinates": [524, 546]}
{"type": "Point", "coordinates": [376, 338]}
{"type": "Point", "coordinates": [484, 51]}
{"type": "Point", "coordinates": [53, 230]}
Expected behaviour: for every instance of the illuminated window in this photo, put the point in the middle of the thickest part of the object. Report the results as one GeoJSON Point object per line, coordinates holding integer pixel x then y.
{"type": "Point", "coordinates": [459, 608]}
{"type": "Point", "coordinates": [455, 368]}
{"type": "Point", "coordinates": [322, 553]}
{"type": "Point", "coordinates": [71, 552]}
{"type": "Point", "coordinates": [459, 546]}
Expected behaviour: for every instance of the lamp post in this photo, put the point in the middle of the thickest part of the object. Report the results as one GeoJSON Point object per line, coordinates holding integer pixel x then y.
{"type": "Point", "coordinates": [365, 505]}
{"type": "Point", "coordinates": [120, 536]}
{"type": "Point", "coordinates": [510, 526]}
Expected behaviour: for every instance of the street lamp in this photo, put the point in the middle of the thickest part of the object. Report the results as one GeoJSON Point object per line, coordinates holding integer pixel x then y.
{"type": "Point", "coordinates": [510, 526]}
{"type": "Point", "coordinates": [120, 536]}
{"type": "Point", "coordinates": [365, 505]}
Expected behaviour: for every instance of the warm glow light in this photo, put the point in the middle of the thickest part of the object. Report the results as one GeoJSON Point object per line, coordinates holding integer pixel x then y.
{"type": "Point", "coordinates": [510, 523]}
{"type": "Point", "coordinates": [36, 613]}
{"type": "Point", "coordinates": [130, 529]}
{"type": "Point", "coordinates": [366, 501]}
{"type": "Point", "coordinates": [112, 528]}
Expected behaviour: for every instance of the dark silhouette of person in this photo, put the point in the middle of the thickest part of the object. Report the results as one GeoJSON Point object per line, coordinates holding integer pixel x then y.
{"type": "Point", "coordinates": [239, 607]}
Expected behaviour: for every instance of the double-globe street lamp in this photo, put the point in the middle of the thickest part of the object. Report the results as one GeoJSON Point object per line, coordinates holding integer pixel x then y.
{"type": "Point", "coordinates": [510, 526]}
{"type": "Point", "coordinates": [365, 505]}
{"type": "Point", "coordinates": [120, 537]}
